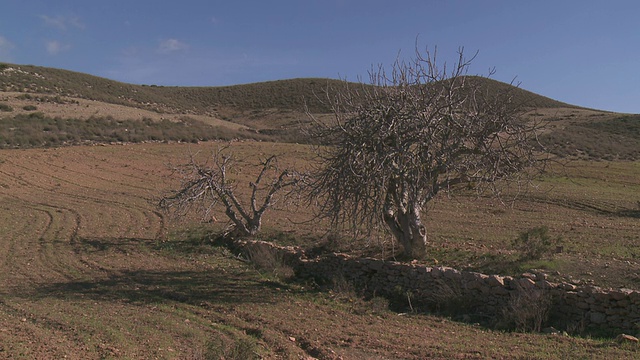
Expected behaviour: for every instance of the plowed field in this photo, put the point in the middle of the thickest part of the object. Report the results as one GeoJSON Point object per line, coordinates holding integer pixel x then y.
{"type": "Point", "coordinates": [87, 272]}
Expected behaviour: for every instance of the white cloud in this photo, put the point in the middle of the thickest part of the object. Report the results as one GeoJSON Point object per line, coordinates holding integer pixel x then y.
{"type": "Point", "coordinates": [55, 47]}
{"type": "Point", "coordinates": [5, 49]}
{"type": "Point", "coordinates": [171, 45]}
{"type": "Point", "coordinates": [62, 22]}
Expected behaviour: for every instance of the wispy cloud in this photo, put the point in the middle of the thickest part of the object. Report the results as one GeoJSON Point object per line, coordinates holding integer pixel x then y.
{"type": "Point", "coordinates": [54, 47]}
{"type": "Point", "coordinates": [203, 67]}
{"type": "Point", "coordinates": [5, 49]}
{"type": "Point", "coordinates": [62, 23]}
{"type": "Point", "coordinates": [171, 45]}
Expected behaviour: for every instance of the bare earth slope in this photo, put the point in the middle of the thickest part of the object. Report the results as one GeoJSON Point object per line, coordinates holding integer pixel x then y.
{"type": "Point", "coordinates": [275, 110]}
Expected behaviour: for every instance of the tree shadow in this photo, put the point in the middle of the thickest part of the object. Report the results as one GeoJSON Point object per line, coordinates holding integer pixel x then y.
{"type": "Point", "coordinates": [96, 245]}
{"type": "Point", "coordinates": [629, 213]}
{"type": "Point", "coordinates": [205, 243]}
{"type": "Point", "coordinates": [190, 287]}
{"type": "Point", "coordinates": [227, 281]}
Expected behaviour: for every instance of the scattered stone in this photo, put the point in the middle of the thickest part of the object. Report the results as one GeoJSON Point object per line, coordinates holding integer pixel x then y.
{"type": "Point", "coordinates": [568, 287]}
{"type": "Point", "coordinates": [620, 294]}
{"type": "Point", "coordinates": [539, 274]}
{"type": "Point", "coordinates": [529, 276]}
{"type": "Point", "coordinates": [495, 281]}
{"type": "Point", "coordinates": [526, 283]}
{"type": "Point", "coordinates": [598, 308]}
{"type": "Point", "coordinates": [624, 338]}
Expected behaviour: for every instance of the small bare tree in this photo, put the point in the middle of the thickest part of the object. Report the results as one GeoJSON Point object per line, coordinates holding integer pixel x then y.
{"type": "Point", "coordinates": [204, 186]}
{"type": "Point", "coordinates": [398, 142]}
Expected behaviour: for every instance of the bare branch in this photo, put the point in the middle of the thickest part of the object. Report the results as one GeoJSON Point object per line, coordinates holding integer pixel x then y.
{"type": "Point", "coordinates": [418, 130]}
{"type": "Point", "coordinates": [203, 186]}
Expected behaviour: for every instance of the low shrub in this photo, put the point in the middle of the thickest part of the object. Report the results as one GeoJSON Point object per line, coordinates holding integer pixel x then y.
{"type": "Point", "coordinates": [535, 243]}
{"type": "Point", "coordinates": [527, 310]}
{"type": "Point", "coordinates": [239, 349]}
{"type": "Point", "coordinates": [26, 130]}
{"type": "Point", "coordinates": [269, 260]}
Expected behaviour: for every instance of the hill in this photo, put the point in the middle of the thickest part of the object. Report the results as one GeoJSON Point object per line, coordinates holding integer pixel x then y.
{"type": "Point", "coordinates": [273, 110]}
{"type": "Point", "coordinates": [292, 94]}
{"type": "Point", "coordinates": [283, 94]}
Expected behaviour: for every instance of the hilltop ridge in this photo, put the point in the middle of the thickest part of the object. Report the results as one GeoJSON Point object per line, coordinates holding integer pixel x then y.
{"type": "Point", "coordinates": [289, 94]}
{"type": "Point", "coordinates": [272, 110]}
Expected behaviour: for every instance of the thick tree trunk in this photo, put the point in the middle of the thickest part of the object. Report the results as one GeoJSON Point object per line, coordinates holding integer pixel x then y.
{"type": "Point", "coordinates": [248, 227]}
{"type": "Point", "coordinates": [408, 230]}
{"type": "Point", "coordinates": [255, 224]}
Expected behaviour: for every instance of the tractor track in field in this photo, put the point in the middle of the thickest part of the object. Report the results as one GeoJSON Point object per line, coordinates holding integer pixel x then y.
{"type": "Point", "coordinates": [75, 185]}
{"type": "Point", "coordinates": [134, 216]}
{"type": "Point", "coordinates": [87, 273]}
{"type": "Point", "coordinates": [96, 175]}
{"type": "Point", "coordinates": [153, 219]}
{"type": "Point", "coordinates": [68, 230]}
{"type": "Point", "coordinates": [62, 209]}
{"type": "Point", "coordinates": [50, 232]}
{"type": "Point", "coordinates": [597, 207]}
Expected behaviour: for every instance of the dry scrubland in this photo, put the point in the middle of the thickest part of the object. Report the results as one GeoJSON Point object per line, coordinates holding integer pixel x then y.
{"type": "Point", "coordinates": [89, 269]}
{"type": "Point", "coordinates": [87, 272]}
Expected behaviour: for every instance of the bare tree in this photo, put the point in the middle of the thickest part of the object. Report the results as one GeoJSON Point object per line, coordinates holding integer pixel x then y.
{"type": "Point", "coordinates": [204, 186]}
{"type": "Point", "coordinates": [398, 142]}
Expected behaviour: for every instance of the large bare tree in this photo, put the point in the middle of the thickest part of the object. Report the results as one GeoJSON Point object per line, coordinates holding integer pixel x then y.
{"type": "Point", "coordinates": [411, 134]}
{"type": "Point", "coordinates": [205, 185]}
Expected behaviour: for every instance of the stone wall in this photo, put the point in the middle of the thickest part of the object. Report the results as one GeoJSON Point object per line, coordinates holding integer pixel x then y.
{"type": "Point", "coordinates": [571, 307]}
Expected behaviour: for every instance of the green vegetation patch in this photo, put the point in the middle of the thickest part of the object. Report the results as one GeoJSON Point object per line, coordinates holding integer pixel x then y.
{"type": "Point", "coordinates": [609, 140]}
{"type": "Point", "coordinates": [46, 99]}
{"type": "Point", "coordinates": [37, 130]}
{"type": "Point", "coordinates": [627, 126]}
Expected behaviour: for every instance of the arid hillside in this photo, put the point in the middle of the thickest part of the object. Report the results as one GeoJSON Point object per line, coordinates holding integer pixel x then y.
{"type": "Point", "coordinates": [273, 111]}
{"type": "Point", "coordinates": [90, 268]}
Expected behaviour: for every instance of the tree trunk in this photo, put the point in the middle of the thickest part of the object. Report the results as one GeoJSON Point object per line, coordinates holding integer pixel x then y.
{"type": "Point", "coordinates": [408, 230]}
{"type": "Point", "coordinates": [247, 227]}
{"type": "Point", "coordinates": [254, 224]}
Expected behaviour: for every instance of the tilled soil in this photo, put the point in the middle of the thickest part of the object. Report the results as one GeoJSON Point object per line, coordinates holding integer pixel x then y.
{"type": "Point", "coordinates": [87, 271]}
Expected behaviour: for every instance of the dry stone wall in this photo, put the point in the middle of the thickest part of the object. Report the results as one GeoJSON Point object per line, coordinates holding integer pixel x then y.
{"type": "Point", "coordinates": [490, 296]}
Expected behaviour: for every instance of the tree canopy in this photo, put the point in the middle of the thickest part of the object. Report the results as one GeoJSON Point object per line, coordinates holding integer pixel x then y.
{"type": "Point", "coordinates": [418, 131]}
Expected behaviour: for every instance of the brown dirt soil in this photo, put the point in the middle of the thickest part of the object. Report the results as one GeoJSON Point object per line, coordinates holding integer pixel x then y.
{"type": "Point", "coordinates": [87, 270]}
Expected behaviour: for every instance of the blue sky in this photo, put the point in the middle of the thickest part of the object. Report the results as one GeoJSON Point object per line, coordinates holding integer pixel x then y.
{"type": "Point", "coordinates": [582, 52]}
